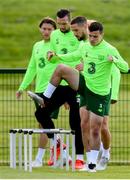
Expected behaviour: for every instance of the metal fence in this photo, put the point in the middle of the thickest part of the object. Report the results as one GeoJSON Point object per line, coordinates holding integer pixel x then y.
{"type": "Point", "coordinates": [20, 114]}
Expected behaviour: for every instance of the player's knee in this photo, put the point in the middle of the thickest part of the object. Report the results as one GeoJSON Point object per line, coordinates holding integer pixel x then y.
{"type": "Point", "coordinates": [105, 131]}
{"type": "Point", "coordinates": [95, 132]}
{"type": "Point", "coordinates": [44, 119]}
{"type": "Point", "coordinates": [38, 115]}
{"type": "Point", "coordinates": [84, 124]}
{"type": "Point", "coordinates": [104, 127]}
{"type": "Point", "coordinates": [42, 116]}
{"type": "Point", "coordinates": [61, 69]}
{"type": "Point", "coordinates": [61, 66]}
{"type": "Point", "coordinates": [50, 136]}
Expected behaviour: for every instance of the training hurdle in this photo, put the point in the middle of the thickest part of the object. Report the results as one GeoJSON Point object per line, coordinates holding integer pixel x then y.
{"type": "Point", "coordinates": [25, 147]}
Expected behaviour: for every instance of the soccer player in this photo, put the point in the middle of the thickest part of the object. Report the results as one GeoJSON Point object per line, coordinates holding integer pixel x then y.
{"type": "Point", "coordinates": [105, 132]}
{"type": "Point", "coordinates": [36, 69]}
{"type": "Point", "coordinates": [64, 41]}
{"type": "Point", "coordinates": [94, 85]}
{"type": "Point", "coordinates": [104, 154]}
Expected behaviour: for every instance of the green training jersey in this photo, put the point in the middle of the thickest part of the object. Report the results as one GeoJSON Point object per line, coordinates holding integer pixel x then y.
{"type": "Point", "coordinates": [97, 67]}
{"type": "Point", "coordinates": [39, 67]}
{"type": "Point", "coordinates": [115, 82]}
{"type": "Point", "coordinates": [63, 43]}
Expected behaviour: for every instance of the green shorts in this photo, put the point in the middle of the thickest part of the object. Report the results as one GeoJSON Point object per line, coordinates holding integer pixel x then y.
{"type": "Point", "coordinates": [107, 108]}
{"type": "Point", "coordinates": [82, 86]}
{"type": "Point", "coordinates": [95, 103]}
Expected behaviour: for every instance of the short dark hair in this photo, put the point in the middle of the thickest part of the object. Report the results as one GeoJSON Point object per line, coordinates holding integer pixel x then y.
{"type": "Point", "coordinates": [95, 26]}
{"type": "Point", "coordinates": [48, 20]}
{"type": "Point", "coordinates": [63, 12]}
{"type": "Point", "coordinates": [79, 20]}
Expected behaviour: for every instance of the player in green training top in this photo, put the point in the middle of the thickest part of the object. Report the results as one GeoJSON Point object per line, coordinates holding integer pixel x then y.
{"type": "Point", "coordinates": [94, 84]}
{"type": "Point", "coordinates": [36, 69]}
{"type": "Point", "coordinates": [105, 132]}
{"type": "Point", "coordinates": [63, 41]}
{"type": "Point", "coordinates": [66, 93]}
{"type": "Point", "coordinates": [104, 153]}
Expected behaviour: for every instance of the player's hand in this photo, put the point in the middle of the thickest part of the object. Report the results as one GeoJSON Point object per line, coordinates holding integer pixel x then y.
{"type": "Point", "coordinates": [50, 54]}
{"type": "Point", "coordinates": [79, 67]}
{"type": "Point", "coordinates": [66, 106]}
{"type": "Point", "coordinates": [110, 58]}
{"type": "Point", "coordinates": [113, 101]}
{"type": "Point", "coordinates": [18, 94]}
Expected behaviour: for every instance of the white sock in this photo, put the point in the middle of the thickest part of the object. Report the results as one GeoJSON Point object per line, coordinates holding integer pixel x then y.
{"type": "Point", "coordinates": [88, 156]}
{"type": "Point", "coordinates": [101, 147]}
{"type": "Point", "coordinates": [106, 153]}
{"type": "Point", "coordinates": [40, 154]}
{"type": "Point", "coordinates": [93, 156]}
{"type": "Point", "coordinates": [49, 90]}
{"type": "Point", "coordinates": [79, 157]}
{"type": "Point", "coordinates": [65, 154]}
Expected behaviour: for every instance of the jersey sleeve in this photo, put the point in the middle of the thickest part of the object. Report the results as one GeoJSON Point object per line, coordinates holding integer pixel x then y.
{"type": "Point", "coordinates": [70, 57]}
{"type": "Point", "coordinates": [52, 43]}
{"type": "Point", "coordinates": [119, 61]}
{"type": "Point", "coordinates": [115, 82]}
{"type": "Point", "coordinates": [30, 73]}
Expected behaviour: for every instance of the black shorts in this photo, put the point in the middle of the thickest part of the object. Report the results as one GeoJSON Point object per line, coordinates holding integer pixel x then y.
{"type": "Point", "coordinates": [54, 114]}
{"type": "Point", "coordinates": [61, 95]}
{"type": "Point", "coordinates": [82, 86]}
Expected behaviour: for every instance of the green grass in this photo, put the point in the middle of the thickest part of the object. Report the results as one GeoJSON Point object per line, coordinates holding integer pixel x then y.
{"type": "Point", "coordinates": [20, 19]}
{"type": "Point", "coordinates": [112, 172]}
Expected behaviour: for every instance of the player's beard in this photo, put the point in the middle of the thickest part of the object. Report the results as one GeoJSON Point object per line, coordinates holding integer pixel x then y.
{"type": "Point", "coordinates": [66, 31]}
{"type": "Point", "coordinates": [82, 38]}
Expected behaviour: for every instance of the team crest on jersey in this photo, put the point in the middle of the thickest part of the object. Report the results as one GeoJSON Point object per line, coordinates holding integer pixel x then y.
{"type": "Point", "coordinates": [64, 51]}
{"type": "Point", "coordinates": [100, 57]}
{"type": "Point", "coordinates": [72, 43]}
{"type": "Point", "coordinates": [86, 54]}
{"type": "Point", "coordinates": [57, 41]}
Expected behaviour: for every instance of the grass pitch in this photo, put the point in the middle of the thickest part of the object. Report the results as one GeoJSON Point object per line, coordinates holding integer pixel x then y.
{"type": "Point", "coordinates": [112, 172]}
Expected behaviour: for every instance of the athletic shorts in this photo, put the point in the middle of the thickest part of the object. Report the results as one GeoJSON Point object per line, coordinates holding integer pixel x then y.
{"type": "Point", "coordinates": [82, 86]}
{"type": "Point", "coordinates": [54, 114]}
{"type": "Point", "coordinates": [95, 103]}
{"type": "Point", "coordinates": [107, 109]}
